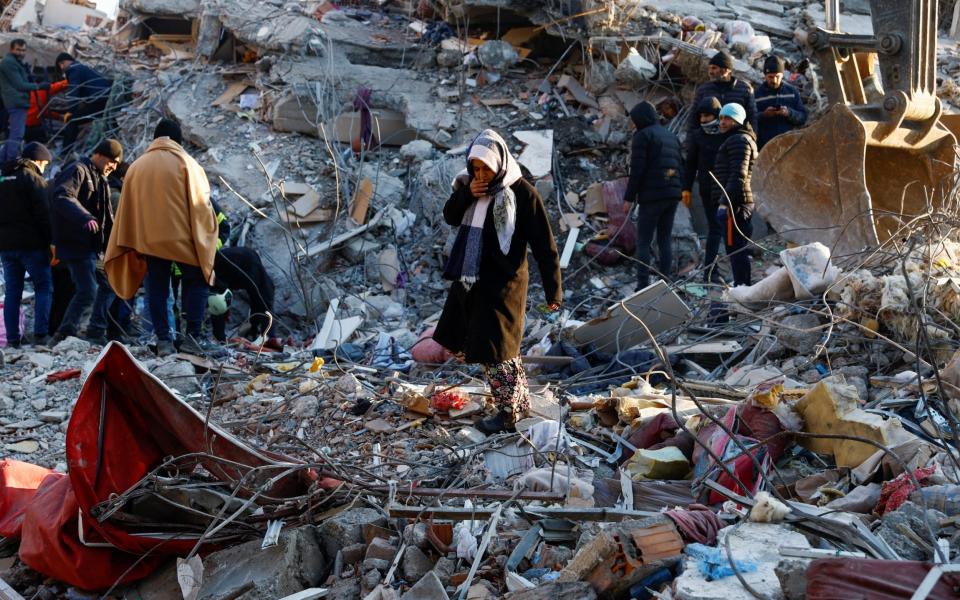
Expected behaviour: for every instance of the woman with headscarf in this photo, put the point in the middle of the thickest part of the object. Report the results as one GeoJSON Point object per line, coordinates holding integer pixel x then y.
{"type": "Point", "coordinates": [498, 215]}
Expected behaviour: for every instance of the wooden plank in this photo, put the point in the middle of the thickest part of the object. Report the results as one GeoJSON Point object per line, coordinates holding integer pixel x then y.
{"type": "Point", "coordinates": [233, 90]}
{"type": "Point", "coordinates": [321, 215]}
{"type": "Point", "coordinates": [361, 201]}
{"type": "Point", "coordinates": [343, 237]}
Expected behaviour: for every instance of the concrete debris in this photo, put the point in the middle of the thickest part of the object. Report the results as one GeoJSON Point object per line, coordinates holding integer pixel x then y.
{"type": "Point", "coordinates": [335, 449]}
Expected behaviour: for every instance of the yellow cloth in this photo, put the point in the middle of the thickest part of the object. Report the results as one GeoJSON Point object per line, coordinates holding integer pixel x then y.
{"type": "Point", "coordinates": [165, 212]}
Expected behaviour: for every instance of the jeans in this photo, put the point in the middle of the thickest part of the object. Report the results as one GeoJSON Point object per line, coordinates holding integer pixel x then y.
{"type": "Point", "coordinates": [737, 249]}
{"type": "Point", "coordinates": [714, 231]}
{"type": "Point", "coordinates": [194, 302]}
{"type": "Point", "coordinates": [15, 264]}
{"type": "Point", "coordinates": [143, 308]}
{"type": "Point", "coordinates": [92, 296]}
{"type": "Point", "coordinates": [17, 121]}
{"type": "Point", "coordinates": [654, 217]}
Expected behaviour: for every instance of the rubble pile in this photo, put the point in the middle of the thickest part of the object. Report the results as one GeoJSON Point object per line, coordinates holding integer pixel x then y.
{"type": "Point", "coordinates": [686, 440]}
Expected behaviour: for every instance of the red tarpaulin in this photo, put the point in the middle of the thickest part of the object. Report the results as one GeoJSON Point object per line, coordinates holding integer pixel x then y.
{"type": "Point", "coordinates": [143, 423]}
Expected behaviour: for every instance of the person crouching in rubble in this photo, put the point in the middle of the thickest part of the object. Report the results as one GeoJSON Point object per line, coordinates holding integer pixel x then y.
{"type": "Point", "coordinates": [498, 214]}
{"type": "Point", "coordinates": [655, 185]}
{"type": "Point", "coordinates": [164, 216]}
{"type": "Point", "coordinates": [733, 169]}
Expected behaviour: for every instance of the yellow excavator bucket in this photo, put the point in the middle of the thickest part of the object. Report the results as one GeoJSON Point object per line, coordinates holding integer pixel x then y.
{"type": "Point", "coordinates": [834, 183]}
{"type": "Point", "coordinates": [881, 154]}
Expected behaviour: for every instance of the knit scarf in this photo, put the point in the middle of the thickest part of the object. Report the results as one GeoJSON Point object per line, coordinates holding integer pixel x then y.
{"type": "Point", "coordinates": [464, 262]}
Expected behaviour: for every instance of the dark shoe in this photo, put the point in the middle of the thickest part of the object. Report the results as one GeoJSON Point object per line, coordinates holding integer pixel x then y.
{"type": "Point", "coordinates": [165, 348]}
{"type": "Point", "coordinates": [192, 345]}
{"type": "Point", "coordinates": [498, 423]}
{"type": "Point", "coordinates": [14, 343]}
{"type": "Point", "coordinates": [40, 339]}
{"type": "Point", "coordinates": [61, 335]}
{"type": "Point", "coordinates": [97, 337]}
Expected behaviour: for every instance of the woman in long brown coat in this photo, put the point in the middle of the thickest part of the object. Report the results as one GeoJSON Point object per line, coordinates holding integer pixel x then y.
{"type": "Point", "coordinates": [498, 215]}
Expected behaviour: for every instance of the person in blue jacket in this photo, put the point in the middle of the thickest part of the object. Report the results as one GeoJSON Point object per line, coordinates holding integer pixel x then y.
{"type": "Point", "coordinates": [87, 91]}
{"type": "Point", "coordinates": [778, 103]}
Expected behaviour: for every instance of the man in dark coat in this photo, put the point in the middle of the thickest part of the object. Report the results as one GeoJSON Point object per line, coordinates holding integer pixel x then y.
{"type": "Point", "coordinates": [655, 185]}
{"type": "Point", "coordinates": [87, 93]}
{"type": "Point", "coordinates": [726, 88]}
{"type": "Point", "coordinates": [240, 269]}
{"type": "Point", "coordinates": [25, 241]}
{"type": "Point", "coordinates": [702, 146]}
{"type": "Point", "coordinates": [16, 83]}
{"type": "Point", "coordinates": [779, 104]}
{"type": "Point", "coordinates": [734, 166]}
{"type": "Point", "coordinates": [81, 223]}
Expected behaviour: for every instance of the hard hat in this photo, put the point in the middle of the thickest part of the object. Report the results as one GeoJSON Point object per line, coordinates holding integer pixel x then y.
{"type": "Point", "coordinates": [218, 304]}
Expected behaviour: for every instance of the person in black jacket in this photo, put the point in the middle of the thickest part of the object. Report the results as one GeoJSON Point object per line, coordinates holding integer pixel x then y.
{"type": "Point", "coordinates": [82, 220]}
{"type": "Point", "coordinates": [726, 88]}
{"type": "Point", "coordinates": [25, 241]}
{"type": "Point", "coordinates": [702, 146]}
{"type": "Point", "coordinates": [655, 185]}
{"type": "Point", "coordinates": [779, 104]}
{"type": "Point", "coordinates": [734, 166]}
{"type": "Point", "coordinates": [87, 92]}
{"type": "Point", "coordinates": [240, 269]}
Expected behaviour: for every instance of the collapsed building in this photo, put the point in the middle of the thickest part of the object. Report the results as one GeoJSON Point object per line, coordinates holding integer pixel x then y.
{"type": "Point", "coordinates": [794, 439]}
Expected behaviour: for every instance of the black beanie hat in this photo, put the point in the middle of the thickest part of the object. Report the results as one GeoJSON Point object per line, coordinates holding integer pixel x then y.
{"type": "Point", "coordinates": [62, 57]}
{"type": "Point", "coordinates": [773, 64]}
{"type": "Point", "coordinates": [169, 128]}
{"type": "Point", "coordinates": [36, 151]}
{"type": "Point", "coordinates": [722, 59]}
{"type": "Point", "coordinates": [709, 106]}
{"type": "Point", "coordinates": [110, 148]}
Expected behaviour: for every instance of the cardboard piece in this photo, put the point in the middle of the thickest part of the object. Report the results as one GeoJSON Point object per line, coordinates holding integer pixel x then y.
{"type": "Point", "coordinates": [656, 305]}
{"type": "Point", "coordinates": [233, 91]}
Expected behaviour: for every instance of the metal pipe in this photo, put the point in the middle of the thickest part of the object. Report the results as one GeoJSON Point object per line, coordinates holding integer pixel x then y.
{"type": "Point", "coordinates": [833, 15]}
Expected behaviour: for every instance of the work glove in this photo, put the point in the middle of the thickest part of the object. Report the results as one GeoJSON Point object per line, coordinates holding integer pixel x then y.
{"type": "Point", "coordinates": [686, 197]}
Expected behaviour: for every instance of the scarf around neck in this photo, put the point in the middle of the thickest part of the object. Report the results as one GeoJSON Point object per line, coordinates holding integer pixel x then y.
{"type": "Point", "coordinates": [464, 262]}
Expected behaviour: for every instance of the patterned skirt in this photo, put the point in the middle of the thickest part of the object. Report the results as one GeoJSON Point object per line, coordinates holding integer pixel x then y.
{"type": "Point", "coordinates": [508, 384]}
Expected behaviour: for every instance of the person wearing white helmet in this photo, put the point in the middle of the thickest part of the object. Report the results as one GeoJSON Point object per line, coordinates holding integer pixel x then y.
{"type": "Point", "coordinates": [733, 168]}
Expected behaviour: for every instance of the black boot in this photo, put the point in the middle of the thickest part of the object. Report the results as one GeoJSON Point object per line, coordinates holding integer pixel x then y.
{"type": "Point", "coordinates": [498, 423]}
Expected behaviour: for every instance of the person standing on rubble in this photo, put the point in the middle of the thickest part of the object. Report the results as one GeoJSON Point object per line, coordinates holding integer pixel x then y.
{"type": "Point", "coordinates": [702, 146]}
{"type": "Point", "coordinates": [16, 83]}
{"type": "Point", "coordinates": [733, 168]}
{"type": "Point", "coordinates": [165, 216]}
{"type": "Point", "coordinates": [779, 104]}
{"type": "Point", "coordinates": [655, 185]}
{"type": "Point", "coordinates": [726, 88]}
{"type": "Point", "coordinates": [498, 214]}
{"type": "Point", "coordinates": [25, 241]}
{"type": "Point", "coordinates": [81, 218]}
{"type": "Point", "coordinates": [87, 91]}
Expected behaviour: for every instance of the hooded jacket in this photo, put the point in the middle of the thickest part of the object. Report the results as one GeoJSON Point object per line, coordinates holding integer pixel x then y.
{"type": "Point", "coordinates": [734, 166]}
{"type": "Point", "coordinates": [15, 82]}
{"type": "Point", "coordinates": [733, 91]}
{"type": "Point", "coordinates": [24, 209]}
{"type": "Point", "coordinates": [80, 194]}
{"type": "Point", "coordinates": [786, 96]}
{"type": "Point", "coordinates": [702, 153]}
{"type": "Point", "coordinates": [164, 212]}
{"type": "Point", "coordinates": [656, 164]}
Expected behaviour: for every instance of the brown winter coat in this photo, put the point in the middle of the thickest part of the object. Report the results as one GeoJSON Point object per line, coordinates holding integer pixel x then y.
{"type": "Point", "coordinates": [486, 323]}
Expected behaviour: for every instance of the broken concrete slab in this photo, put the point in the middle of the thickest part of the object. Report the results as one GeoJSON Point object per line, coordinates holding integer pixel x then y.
{"type": "Point", "coordinates": [416, 564]}
{"type": "Point", "coordinates": [428, 588]}
{"type": "Point", "coordinates": [346, 528]}
{"type": "Point", "coordinates": [247, 571]}
{"type": "Point", "coordinates": [537, 157]}
{"type": "Point", "coordinates": [554, 590]}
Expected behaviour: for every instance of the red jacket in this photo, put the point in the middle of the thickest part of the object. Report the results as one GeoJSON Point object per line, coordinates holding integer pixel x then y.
{"type": "Point", "coordinates": [39, 99]}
